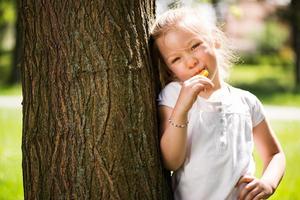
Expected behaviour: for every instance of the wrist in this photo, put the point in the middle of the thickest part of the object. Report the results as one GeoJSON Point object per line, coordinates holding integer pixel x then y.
{"type": "Point", "coordinates": [178, 117]}
{"type": "Point", "coordinates": [182, 125]}
{"type": "Point", "coordinates": [271, 186]}
{"type": "Point", "coordinates": [181, 110]}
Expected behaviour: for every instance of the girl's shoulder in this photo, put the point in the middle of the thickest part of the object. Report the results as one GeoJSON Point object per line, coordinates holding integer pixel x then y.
{"type": "Point", "coordinates": [169, 94]}
{"type": "Point", "coordinates": [172, 87]}
{"type": "Point", "coordinates": [255, 106]}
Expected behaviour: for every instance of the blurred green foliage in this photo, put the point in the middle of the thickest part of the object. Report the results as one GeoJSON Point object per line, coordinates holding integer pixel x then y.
{"type": "Point", "coordinates": [7, 11]}
{"type": "Point", "coordinates": [273, 84]}
{"type": "Point", "coordinates": [11, 90]}
{"type": "Point", "coordinates": [273, 46]}
{"type": "Point", "coordinates": [273, 37]}
{"type": "Point", "coordinates": [7, 25]}
{"type": "Point", "coordinates": [5, 63]}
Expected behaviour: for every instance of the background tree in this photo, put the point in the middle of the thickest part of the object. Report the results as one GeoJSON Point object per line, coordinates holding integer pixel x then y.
{"type": "Point", "coordinates": [89, 116]}
{"type": "Point", "coordinates": [14, 76]}
{"type": "Point", "coordinates": [295, 22]}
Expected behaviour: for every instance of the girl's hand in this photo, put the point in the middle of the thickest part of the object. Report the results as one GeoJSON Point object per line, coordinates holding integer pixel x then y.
{"type": "Point", "coordinates": [190, 90]}
{"type": "Point", "coordinates": [253, 188]}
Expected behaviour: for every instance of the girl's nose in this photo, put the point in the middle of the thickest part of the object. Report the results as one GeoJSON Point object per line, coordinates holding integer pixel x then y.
{"type": "Point", "coordinates": [191, 61]}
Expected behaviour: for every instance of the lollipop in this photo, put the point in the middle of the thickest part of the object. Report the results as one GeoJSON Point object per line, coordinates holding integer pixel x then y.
{"type": "Point", "coordinates": [204, 72]}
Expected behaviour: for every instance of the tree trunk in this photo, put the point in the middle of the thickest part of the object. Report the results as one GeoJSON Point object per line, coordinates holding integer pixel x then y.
{"type": "Point", "coordinates": [295, 21]}
{"type": "Point", "coordinates": [89, 114]}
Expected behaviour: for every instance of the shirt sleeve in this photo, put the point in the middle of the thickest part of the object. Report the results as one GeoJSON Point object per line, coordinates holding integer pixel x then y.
{"type": "Point", "coordinates": [256, 109]}
{"type": "Point", "coordinates": [169, 95]}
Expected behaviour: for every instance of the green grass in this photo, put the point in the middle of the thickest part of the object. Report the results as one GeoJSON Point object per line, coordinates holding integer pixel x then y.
{"type": "Point", "coordinates": [10, 154]}
{"type": "Point", "coordinates": [271, 84]}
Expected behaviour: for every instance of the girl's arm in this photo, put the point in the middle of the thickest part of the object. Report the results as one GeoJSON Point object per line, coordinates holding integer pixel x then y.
{"type": "Point", "coordinates": [273, 159]}
{"type": "Point", "coordinates": [174, 139]}
{"type": "Point", "coordinates": [271, 154]}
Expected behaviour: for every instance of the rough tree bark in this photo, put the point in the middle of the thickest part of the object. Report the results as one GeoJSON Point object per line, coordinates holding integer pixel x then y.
{"type": "Point", "coordinates": [89, 114]}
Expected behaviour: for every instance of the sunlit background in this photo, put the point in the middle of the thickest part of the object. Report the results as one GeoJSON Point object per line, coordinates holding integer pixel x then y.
{"type": "Point", "coordinates": [260, 31]}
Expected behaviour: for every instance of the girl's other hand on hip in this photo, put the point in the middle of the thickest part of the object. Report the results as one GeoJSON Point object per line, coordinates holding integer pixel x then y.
{"type": "Point", "coordinates": [252, 188]}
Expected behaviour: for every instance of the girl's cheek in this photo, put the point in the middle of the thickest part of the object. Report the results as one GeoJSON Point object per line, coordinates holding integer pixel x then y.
{"type": "Point", "coordinates": [200, 52]}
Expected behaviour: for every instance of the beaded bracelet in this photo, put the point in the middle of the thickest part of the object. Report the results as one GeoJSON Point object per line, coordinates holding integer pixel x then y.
{"type": "Point", "coordinates": [178, 125]}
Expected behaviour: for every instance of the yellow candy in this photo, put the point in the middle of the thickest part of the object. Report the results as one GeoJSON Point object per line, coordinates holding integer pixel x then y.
{"type": "Point", "coordinates": [204, 72]}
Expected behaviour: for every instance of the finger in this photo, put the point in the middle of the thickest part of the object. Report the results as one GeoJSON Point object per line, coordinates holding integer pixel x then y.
{"type": "Point", "coordinates": [252, 194]}
{"type": "Point", "coordinates": [196, 79]}
{"type": "Point", "coordinates": [198, 87]}
{"type": "Point", "coordinates": [192, 80]}
{"type": "Point", "coordinates": [245, 179]}
{"type": "Point", "coordinates": [260, 196]}
{"type": "Point", "coordinates": [245, 186]}
{"type": "Point", "coordinates": [206, 82]}
{"type": "Point", "coordinates": [242, 191]}
{"type": "Point", "coordinates": [202, 77]}
{"type": "Point", "coordinates": [250, 186]}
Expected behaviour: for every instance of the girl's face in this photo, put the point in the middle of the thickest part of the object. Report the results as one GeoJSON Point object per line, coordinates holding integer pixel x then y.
{"type": "Point", "coordinates": [186, 54]}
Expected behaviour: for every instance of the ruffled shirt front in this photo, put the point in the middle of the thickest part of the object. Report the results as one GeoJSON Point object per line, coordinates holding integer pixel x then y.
{"type": "Point", "coordinates": [220, 143]}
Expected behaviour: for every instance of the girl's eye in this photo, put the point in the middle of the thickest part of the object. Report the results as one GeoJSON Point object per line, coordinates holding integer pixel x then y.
{"type": "Point", "coordinates": [175, 60]}
{"type": "Point", "coordinates": [195, 46]}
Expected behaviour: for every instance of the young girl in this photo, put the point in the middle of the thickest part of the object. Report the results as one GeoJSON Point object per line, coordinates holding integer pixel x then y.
{"type": "Point", "coordinates": [208, 127]}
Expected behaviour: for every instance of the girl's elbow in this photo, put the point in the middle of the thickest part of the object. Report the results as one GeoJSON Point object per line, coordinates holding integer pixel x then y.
{"type": "Point", "coordinates": [283, 158]}
{"type": "Point", "coordinates": [171, 161]}
{"type": "Point", "coordinates": [173, 158]}
{"type": "Point", "coordinates": [172, 166]}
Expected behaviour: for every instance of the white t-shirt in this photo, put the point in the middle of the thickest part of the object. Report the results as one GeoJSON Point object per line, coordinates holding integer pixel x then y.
{"type": "Point", "coordinates": [220, 143]}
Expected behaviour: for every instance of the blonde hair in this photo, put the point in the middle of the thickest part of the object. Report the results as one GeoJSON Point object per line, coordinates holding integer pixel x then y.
{"type": "Point", "coordinates": [200, 21]}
